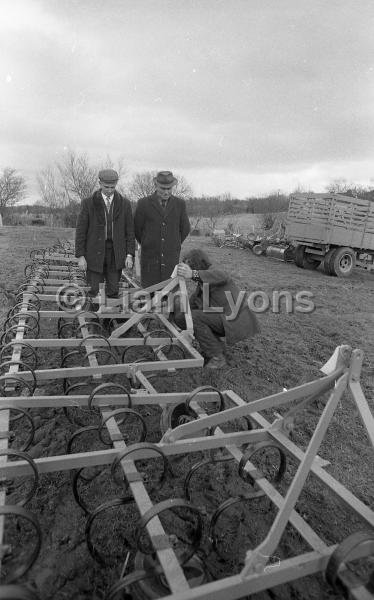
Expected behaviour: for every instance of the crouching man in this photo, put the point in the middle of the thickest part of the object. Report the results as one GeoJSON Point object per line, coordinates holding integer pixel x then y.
{"type": "Point", "coordinates": [218, 308]}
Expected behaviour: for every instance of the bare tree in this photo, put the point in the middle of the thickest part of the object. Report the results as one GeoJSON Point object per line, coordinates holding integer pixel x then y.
{"type": "Point", "coordinates": [119, 166]}
{"type": "Point", "coordinates": [142, 184]}
{"type": "Point", "coordinates": [340, 186]}
{"type": "Point", "coordinates": [64, 184]}
{"type": "Point", "coordinates": [51, 192]}
{"type": "Point", "coordinates": [299, 189]}
{"type": "Point", "coordinates": [183, 188]}
{"type": "Point", "coordinates": [225, 197]}
{"type": "Point", "coordinates": [72, 179]}
{"type": "Point", "coordinates": [211, 222]}
{"type": "Point", "coordinates": [78, 178]}
{"type": "Point", "coordinates": [12, 187]}
{"type": "Point", "coordinates": [194, 221]}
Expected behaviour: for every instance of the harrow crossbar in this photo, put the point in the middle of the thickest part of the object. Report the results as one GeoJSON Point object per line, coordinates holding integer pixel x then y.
{"type": "Point", "coordinates": [341, 373]}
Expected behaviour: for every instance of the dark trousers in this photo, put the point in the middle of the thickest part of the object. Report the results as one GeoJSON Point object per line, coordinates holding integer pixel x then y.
{"type": "Point", "coordinates": [208, 329]}
{"type": "Point", "coordinates": [110, 274]}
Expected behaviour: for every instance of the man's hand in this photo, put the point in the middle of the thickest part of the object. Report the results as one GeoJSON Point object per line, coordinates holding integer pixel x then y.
{"type": "Point", "coordinates": [183, 270]}
{"type": "Point", "coordinates": [188, 336]}
{"type": "Point", "coordinates": [129, 263]}
{"type": "Point", "coordinates": [82, 263]}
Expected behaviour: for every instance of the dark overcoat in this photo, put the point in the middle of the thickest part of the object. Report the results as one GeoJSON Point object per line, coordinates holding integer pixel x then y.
{"type": "Point", "coordinates": [160, 233]}
{"type": "Point", "coordinates": [91, 231]}
{"type": "Point", "coordinates": [219, 291]}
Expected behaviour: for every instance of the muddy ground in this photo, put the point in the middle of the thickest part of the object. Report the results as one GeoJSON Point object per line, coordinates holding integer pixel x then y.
{"type": "Point", "coordinates": [290, 350]}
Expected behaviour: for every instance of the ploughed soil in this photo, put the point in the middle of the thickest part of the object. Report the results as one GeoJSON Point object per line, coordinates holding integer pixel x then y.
{"type": "Point", "coordinates": [290, 350]}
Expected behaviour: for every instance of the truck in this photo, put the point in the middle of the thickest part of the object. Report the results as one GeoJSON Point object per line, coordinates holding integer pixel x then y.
{"type": "Point", "coordinates": [332, 230]}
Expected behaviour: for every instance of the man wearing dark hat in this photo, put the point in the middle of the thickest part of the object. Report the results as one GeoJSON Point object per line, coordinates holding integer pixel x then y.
{"type": "Point", "coordinates": [161, 226]}
{"type": "Point", "coordinates": [104, 238]}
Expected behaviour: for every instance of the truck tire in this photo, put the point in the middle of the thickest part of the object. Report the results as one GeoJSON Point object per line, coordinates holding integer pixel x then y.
{"type": "Point", "coordinates": [299, 256]}
{"type": "Point", "coordinates": [303, 260]}
{"type": "Point", "coordinates": [326, 263]}
{"type": "Point", "coordinates": [342, 262]}
{"type": "Point", "coordinates": [258, 249]}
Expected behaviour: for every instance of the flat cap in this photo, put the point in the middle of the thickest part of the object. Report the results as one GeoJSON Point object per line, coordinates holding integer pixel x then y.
{"type": "Point", "coordinates": [108, 176]}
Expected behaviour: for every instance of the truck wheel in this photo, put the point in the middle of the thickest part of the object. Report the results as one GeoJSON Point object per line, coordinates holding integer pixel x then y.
{"type": "Point", "coordinates": [304, 260]}
{"type": "Point", "coordinates": [327, 259]}
{"type": "Point", "coordinates": [258, 249]}
{"type": "Point", "coordinates": [342, 262]}
{"type": "Point", "coordinates": [299, 256]}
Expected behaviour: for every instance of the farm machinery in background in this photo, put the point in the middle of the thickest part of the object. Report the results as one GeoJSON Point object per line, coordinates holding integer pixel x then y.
{"type": "Point", "coordinates": [269, 243]}
{"type": "Point", "coordinates": [331, 230]}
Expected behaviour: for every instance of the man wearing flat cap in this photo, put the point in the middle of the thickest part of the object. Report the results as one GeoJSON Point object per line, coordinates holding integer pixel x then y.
{"type": "Point", "coordinates": [104, 238]}
{"type": "Point", "coordinates": [161, 226]}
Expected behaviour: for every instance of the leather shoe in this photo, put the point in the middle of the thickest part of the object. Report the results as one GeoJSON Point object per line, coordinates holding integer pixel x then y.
{"type": "Point", "coordinates": [216, 362]}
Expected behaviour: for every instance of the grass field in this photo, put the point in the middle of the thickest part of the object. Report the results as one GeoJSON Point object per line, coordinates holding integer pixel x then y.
{"type": "Point", "coordinates": [243, 223]}
{"type": "Point", "coordinates": [240, 223]}
{"type": "Point", "coordinates": [289, 350]}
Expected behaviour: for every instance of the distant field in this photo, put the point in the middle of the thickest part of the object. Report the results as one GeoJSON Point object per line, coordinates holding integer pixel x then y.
{"type": "Point", "coordinates": [241, 222]}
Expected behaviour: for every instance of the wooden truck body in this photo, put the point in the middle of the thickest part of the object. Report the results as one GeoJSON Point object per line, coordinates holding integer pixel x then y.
{"type": "Point", "coordinates": [332, 229]}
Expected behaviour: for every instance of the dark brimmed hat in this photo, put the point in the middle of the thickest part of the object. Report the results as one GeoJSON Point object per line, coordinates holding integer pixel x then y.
{"type": "Point", "coordinates": [108, 176]}
{"type": "Point", "coordinates": [165, 178]}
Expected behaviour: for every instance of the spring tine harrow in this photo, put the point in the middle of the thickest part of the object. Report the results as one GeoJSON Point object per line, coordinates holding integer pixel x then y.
{"type": "Point", "coordinates": [106, 358]}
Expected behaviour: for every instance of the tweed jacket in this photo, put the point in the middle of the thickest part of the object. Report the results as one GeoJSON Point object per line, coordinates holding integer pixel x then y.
{"type": "Point", "coordinates": [160, 233]}
{"type": "Point", "coordinates": [91, 230]}
{"type": "Point", "coordinates": [218, 291]}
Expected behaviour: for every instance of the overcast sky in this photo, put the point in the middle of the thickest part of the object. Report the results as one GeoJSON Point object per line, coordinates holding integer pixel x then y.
{"type": "Point", "coordinates": [240, 96]}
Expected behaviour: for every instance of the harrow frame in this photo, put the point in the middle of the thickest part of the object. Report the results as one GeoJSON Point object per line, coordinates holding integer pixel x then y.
{"type": "Point", "coordinates": [340, 374]}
